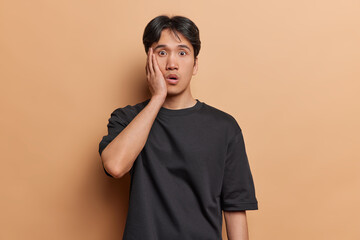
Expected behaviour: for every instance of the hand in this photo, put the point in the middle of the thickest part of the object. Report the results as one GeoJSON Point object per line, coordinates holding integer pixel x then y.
{"type": "Point", "coordinates": [155, 78]}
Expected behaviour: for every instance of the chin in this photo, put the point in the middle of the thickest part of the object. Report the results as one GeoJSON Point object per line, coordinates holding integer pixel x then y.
{"type": "Point", "coordinates": [175, 91]}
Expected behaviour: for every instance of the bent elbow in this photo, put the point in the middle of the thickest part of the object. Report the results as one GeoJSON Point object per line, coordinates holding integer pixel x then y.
{"type": "Point", "coordinates": [113, 169]}
{"type": "Point", "coordinates": [114, 173]}
{"type": "Point", "coordinates": [118, 174]}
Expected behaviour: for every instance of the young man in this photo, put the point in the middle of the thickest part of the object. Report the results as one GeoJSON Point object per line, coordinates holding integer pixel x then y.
{"type": "Point", "coordinates": [186, 159]}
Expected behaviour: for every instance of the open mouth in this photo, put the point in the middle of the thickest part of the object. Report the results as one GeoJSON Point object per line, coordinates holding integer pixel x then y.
{"type": "Point", "coordinates": [173, 77]}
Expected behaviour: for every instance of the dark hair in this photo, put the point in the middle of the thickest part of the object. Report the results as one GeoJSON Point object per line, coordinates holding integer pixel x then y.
{"type": "Point", "coordinates": [180, 24]}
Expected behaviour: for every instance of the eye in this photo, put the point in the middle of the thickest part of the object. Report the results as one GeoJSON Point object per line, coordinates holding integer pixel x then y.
{"type": "Point", "coordinates": [183, 53]}
{"type": "Point", "coordinates": [162, 53]}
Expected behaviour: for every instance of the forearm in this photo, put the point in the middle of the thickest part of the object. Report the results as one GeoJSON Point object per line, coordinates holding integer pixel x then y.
{"type": "Point", "coordinates": [236, 225]}
{"type": "Point", "coordinates": [120, 154]}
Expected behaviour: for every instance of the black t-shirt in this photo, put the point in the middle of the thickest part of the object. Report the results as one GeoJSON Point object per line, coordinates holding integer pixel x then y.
{"type": "Point", "coordinates": [193, 166]}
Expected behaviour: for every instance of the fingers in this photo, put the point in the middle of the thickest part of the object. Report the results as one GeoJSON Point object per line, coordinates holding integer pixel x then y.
{"type": "Point", "coordinates": [147, 64]}
{"type": "Point", "coordinates": [151, 69]}
{"type": "Point", "coordinates": [156, 65]}
{"type": "Point", "coordinates": [152, 66]}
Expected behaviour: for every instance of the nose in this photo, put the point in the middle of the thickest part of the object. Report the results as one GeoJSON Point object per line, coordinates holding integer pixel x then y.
{"type": "Point", "coordinates": [171, 62]}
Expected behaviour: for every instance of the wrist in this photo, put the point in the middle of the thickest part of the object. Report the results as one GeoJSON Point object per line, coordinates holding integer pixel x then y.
{"type": "Point", "coordinates": [158, 98]}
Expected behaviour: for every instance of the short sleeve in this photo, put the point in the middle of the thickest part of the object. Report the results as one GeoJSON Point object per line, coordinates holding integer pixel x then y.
{"type": "Point", "coordinates": [116, 123]}
{"type": "Point", "coordinates": [238, 190]}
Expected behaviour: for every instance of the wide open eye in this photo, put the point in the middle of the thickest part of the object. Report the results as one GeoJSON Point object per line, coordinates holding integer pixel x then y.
{"type": "Point", "coordinates": [182, 53]}
{"type": "Point", "coordinates": [162, 53]}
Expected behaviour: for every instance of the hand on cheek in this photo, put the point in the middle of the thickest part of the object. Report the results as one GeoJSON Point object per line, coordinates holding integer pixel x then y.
{"type": "Point", "coordinates": [155, 78]}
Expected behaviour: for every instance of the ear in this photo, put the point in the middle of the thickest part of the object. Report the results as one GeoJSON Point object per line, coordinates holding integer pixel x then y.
{"type": "Point", "coordinates": [196, 65]}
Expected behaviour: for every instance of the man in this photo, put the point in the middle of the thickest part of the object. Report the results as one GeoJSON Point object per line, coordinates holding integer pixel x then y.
{"type": "Point", "coordinates": [186, 159]}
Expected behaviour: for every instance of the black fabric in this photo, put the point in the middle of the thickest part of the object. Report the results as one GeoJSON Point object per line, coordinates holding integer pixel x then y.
{"type": "Point", "coordinates": [193, 166]}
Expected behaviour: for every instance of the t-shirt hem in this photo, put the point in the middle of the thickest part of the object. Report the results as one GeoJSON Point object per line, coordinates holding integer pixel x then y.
{"type": "Point", "coordinates": [240, 207]}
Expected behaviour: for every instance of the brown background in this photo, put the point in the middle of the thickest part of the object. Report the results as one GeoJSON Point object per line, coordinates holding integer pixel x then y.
{"type": "Point", "coordinates": [288, 71]}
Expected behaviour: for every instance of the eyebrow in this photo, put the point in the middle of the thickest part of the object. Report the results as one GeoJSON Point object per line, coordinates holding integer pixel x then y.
{"type": "Point", "coordinates": [179, 46]}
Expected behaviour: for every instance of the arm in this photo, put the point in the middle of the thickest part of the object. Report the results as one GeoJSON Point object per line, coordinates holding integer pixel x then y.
{"type": "Point", "coordinates": [119, 155]}
{"type": "Point", "coordinates": [238, 190]}
{"type": "Point", "coordinates": [236, 225]}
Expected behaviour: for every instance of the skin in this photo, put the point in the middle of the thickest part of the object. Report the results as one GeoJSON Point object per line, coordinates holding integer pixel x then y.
{"type": "Point", "coordinates": [236, 225]}
{"type": "Point", "coordinates": [167, 56]}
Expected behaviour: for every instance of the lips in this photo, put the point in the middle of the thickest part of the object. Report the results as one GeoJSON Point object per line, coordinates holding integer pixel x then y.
{"type": "Point", "coordinates": [172, 77]}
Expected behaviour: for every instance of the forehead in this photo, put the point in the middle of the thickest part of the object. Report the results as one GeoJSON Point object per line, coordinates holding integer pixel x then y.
{"type": "Point", "coordinates": [169, 39]}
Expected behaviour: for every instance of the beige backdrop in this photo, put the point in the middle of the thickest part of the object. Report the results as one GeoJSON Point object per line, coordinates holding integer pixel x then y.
{"type": "Point", "coordinates": [288, 71]}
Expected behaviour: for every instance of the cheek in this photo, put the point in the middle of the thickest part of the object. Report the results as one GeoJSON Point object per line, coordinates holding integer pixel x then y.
{"type": "Point", "coordinates": [189, 68]}
{"type": "Point", "coordinates": [162, 63]}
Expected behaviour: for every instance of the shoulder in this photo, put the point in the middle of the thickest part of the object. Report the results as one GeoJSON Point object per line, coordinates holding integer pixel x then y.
{"type": "Point", "coordinates": [128, 112]}
{"type": "Point", "coordinates": [221, 118]}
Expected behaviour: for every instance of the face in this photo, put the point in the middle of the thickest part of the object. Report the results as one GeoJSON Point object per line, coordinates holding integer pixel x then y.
{"type": "Point", "coordinates": [175, 56]}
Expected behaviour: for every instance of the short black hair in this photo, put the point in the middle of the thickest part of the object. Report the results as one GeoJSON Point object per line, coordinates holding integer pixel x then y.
{"type": "Point", "coordinates": [180, 24]}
